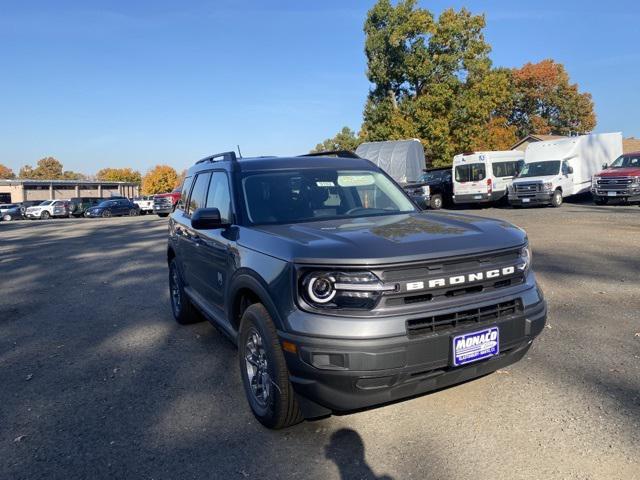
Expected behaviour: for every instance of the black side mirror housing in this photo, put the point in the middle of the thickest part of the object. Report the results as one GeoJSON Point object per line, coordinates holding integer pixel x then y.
{"type": "Point", "coordinates": [570, 170]}
{"type": "Point", "coordinates": [605, 166]}
{"type": "Point", "coordinates": [207, 218]}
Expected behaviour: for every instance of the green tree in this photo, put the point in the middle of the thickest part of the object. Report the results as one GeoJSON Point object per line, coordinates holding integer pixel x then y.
{"type": "Point", "coordinates": [345, 139]}
{"type": "Point", "coordinates": [6, 172]}
{"type": "Point", "coordinates": [160, 179]}
{"type": "Point", "coordinates": [119, 175]}
{"type": "Point", "coordinates": [432, 79]}
{"type": "Point", "coordinates": [545, 102]}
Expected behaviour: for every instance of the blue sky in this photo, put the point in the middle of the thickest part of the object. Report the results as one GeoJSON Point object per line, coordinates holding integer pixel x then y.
{"type": "Point", "coordinates": [125, 83]}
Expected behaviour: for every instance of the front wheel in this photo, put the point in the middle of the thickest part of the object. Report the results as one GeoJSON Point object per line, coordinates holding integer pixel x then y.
{"type": "Point", "coordinates": [556, 199]}
{"type": "Point", "coordinates": [264, 371]}
{"type": "Point", "coordinates": [7, 218]}
{"type": "Point", "coordinates": [163, 215]}
{"type": "Point", "coordinates": [45, 215]}
{"type": "Point", "coordinates": [134, 212]}
{"type": "Point", "coordinates": [106, 214]}
{"type": "Point", "coordinates": [600, 200]}
{"type": "Point", "coordinates": [436, 202]}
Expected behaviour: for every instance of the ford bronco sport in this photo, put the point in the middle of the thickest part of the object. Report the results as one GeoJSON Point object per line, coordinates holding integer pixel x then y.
{"type": "Point", "coordinates": [339, 293]}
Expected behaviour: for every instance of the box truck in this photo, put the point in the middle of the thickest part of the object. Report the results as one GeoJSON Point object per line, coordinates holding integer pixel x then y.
{"type": "Point", "coordinates": [557, 169]}
{"type": "Point", "coordinates": [402, 160]}
{"type": "Point", "coordinates": [480, 177]}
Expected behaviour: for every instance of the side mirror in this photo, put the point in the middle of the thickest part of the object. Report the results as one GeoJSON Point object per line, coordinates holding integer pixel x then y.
{"type": "Point", "coordinates": [207, 218]}
{"type": "Point", "coordinates": [570, 170]}
{"type": "Point", "coordinates": [605, 166]}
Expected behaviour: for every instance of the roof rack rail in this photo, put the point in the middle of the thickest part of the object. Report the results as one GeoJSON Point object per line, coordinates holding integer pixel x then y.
{"type": "Point", "coordinates": [333, 153]}
{"type": "Point", "coordinates": [231, 156]}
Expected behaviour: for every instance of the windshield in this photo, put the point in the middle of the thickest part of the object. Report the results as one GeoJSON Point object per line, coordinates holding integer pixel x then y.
{"type": "Point", "coordinates": [540, 169]}
{"type": "Point", "coordinates": [472, 172]}
{"type": "Point", "coordinates": [47, 202]}
{"type": "Point", "coordinates": [627, 161]}
{"type": "Point", "coordinates": [435, 176]}
{"type": "Point", "coordinates": [318, 194]}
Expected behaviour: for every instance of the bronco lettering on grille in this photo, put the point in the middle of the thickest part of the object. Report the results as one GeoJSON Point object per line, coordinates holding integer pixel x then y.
{"type": "Point", "coordinates": [461, 279]}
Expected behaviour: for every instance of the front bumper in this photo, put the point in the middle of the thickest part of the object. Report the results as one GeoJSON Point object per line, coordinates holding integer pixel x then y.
{"type": "Point", "coordinates": [163, 209]}
{"type": "Point", "coordinates": [343, 375]}
{"type": "Point", "coordinates": [629, 195]}
{"type": "Point", "coordinates": [479, 197]}
{"type": "Point", "coordinates": [540, 198]}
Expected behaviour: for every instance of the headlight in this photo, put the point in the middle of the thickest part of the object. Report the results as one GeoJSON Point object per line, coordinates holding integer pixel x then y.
{"type": "Point", "coordinates": [328, 289]}
{"type": "Point", "coordinates": [426, 190]}
{"type": "Point", "coordinates": [525, 259]}
{"type": "Point", "coordinates": [548, 186]}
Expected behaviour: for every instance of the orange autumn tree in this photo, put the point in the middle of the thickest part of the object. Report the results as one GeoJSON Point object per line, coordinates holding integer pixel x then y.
{"type": "Point", "coordinates": [160, 179]}
{"type": "Point", "coordinates": [6, 172]}
{"type": "Point", "coordinates": [545, 102]}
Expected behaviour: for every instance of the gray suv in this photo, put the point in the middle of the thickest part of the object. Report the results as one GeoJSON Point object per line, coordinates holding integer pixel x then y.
{"type": "Point", "coordinates": [339, 293]}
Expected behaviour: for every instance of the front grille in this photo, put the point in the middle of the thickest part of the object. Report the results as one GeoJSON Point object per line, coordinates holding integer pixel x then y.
{"type": "Point", "coordinates": [464, 318]}
{"type": "Point", "coordinates": [527, 189]}
{"type": "Point", "coordinates": [613, 184]}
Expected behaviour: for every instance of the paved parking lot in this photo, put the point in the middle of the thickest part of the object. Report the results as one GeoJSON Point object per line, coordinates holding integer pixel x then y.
{"type": "Point", "coordinates": [97, 381]}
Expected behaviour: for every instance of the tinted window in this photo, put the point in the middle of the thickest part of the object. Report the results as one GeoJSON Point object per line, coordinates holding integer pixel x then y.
{"type": "Point", "coordinates": [507, 169]}
{"type": "Point", "coordinates": [199, 192]}
{"type": "Point", "coordinates": [472, 172]}
{"type": "Point", "coordinates": [186, 186]}
{"type": "Point", "coordinates": [219, 197]}
{"type": "Point", "coordinates": [538, 169]}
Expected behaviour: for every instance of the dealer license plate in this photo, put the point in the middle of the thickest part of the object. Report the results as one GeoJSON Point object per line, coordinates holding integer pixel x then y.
{"type": "Point", "coordinates": [611, 194]}
{"type": "Point", "coordinates": [474, 346]}
{"type": "Point", "coordinates": [477, 197]}
{"type": "Point", "coordinates": [526, 200]}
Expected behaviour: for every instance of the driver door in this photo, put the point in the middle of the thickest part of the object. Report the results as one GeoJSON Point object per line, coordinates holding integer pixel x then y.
{"type": "Point", "coordinates": [566, 180]}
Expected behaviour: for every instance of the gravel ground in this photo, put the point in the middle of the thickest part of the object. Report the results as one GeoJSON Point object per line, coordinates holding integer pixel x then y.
{"type": "Point", "coordinates": [97, 381]}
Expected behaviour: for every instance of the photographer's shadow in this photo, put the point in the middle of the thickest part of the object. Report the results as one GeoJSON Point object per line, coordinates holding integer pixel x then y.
{"type": "Point", "coordinates": [346, 449]}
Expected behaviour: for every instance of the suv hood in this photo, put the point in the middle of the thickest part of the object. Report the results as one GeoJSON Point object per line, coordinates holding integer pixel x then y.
{"type": "Point", "coordinates": [620, 172]}
{"type": "Point", "coordinates": [383, 239]}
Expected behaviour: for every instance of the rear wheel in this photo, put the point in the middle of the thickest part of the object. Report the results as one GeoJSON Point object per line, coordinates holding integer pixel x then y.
{"type": "Point", "coordinates": [134, 212]}
{"type": "Point", "coordinates": [436, 202]}
{"type": "Point", "coordinates": [264, 371]}
{"type": "Point", "coordinates": [7, 218]}
{"type": "Point", "coordinates": [163, 214]}
{"type": "Point", "coordinates": [556, 199]}
{"type": "Point", "coordinates": [45, 215]}
{"type": "Point", "coordinates": [183, 311]}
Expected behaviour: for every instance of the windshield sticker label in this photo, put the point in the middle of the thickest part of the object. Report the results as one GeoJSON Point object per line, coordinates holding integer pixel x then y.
{"type": "Point", "coordinates": [325, 184]}
{"type": "Point", "coordinates": [355, 180]}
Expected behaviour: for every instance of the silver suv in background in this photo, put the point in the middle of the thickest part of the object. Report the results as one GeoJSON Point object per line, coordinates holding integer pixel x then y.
{"type": "Point", "coordinates": [48, 209]}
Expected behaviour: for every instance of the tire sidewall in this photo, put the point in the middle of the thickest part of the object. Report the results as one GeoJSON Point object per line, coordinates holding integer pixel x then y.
{"type": "Point", "coordinates": [556, 201]}
{"type": "Point", "coordinates": [436, 202]}
{"type": "Point", "coordinates": [252, 320]}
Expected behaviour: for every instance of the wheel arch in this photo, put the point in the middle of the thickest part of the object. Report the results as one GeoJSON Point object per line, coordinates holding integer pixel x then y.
{"type": "Point", "coordinates": [247, 288]}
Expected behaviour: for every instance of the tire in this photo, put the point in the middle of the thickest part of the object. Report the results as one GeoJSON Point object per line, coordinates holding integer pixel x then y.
{"type": "Point", "coordinates": [183, 310]}
{"type": "Point", "coordinates": [133, 212]}
{"type": "Point", "coordinates": [600, 200]}
{"type": "Point", "coordinates": [436, 202]}
{"type": "Point", "coordinates": [7, 218]}
{"type": "Point", "coordinates": [163, 215]}
{"type": "Point", "coordinates": [556, 199]}
{"type": "Point", "coordinates": [45, 215]}
{"type": "Point", "coordinates": [260, 356]}
{"type": "Point", "coordinates": [106, 214]}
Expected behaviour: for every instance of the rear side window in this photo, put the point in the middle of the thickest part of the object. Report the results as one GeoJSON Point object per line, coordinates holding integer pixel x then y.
{"type": "Point", "coordinates": [219, 197]}
{"type": "Point", "coordinates": [472, 172]}
{"type": "Point", "coordinates": [507, 169]}
{"type": "Point", "coordinates": [199, 193]}
{"type": "Point", "coordinates": [186, 186]}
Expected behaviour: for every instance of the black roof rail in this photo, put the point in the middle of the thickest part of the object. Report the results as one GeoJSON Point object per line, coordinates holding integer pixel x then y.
{"type": "Point", "coordinates": [333, 153]}
{"type": "Point", "coordinates": [231, 156]}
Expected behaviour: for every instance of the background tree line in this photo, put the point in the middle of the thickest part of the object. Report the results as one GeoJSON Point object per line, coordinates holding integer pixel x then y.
{"type": "Point", "coordinates": [159, 179]}
{"type": "Point", "coordinates": [432, 79]}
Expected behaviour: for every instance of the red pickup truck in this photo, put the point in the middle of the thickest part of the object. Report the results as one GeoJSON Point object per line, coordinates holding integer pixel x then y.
{"type": "Point", "coordinates": [620, 180]}
{"type": "Point", "coordinates": [165, 203]}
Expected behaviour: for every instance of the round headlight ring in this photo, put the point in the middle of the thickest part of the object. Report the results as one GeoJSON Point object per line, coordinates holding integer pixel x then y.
{"type": "Point", "coordinates": [320, 289]}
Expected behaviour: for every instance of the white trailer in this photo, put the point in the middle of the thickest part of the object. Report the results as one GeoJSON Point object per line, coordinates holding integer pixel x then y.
{"type": "Point", "coordinates": [403, 160]}
{"type": "Point", "coordinates": [557, 169]}
{"type": "Point", "coordinates": [480, 177]}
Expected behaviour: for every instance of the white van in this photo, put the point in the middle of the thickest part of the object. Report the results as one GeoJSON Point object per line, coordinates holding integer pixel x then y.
{"type": "Point", "coordinates": [557, 169]}
{"type": "Point", "coordinates": [484, 176]}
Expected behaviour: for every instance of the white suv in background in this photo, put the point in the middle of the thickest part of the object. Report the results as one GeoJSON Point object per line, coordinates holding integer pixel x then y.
{"type": "Point", "coordinates": [145, 203]}
{"type": "Point", "coordinates": [48, 209]}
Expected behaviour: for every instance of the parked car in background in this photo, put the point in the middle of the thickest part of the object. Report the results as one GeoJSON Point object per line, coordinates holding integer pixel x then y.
{"type": "Point", "coordinates": [618, 181]}
{"type": "Point", "coordinates": [48, 209]}
{"type": "Point", "coordinates": [557, 169]}
{"type": "Point", "coordinates": [79, 205]}
{"type": "Point", "coordinates": [145, 203]}
{"type": "Point", "coordinates": [433, 189]}
{"type": "Point", "coordinates": [165, 203]}
{"type": "Point", "coordinates": [10, 211]}
{"type": "Point", "coordinates": [113, 208]}
{"type": "Point", "coordinates": [483, 177]}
